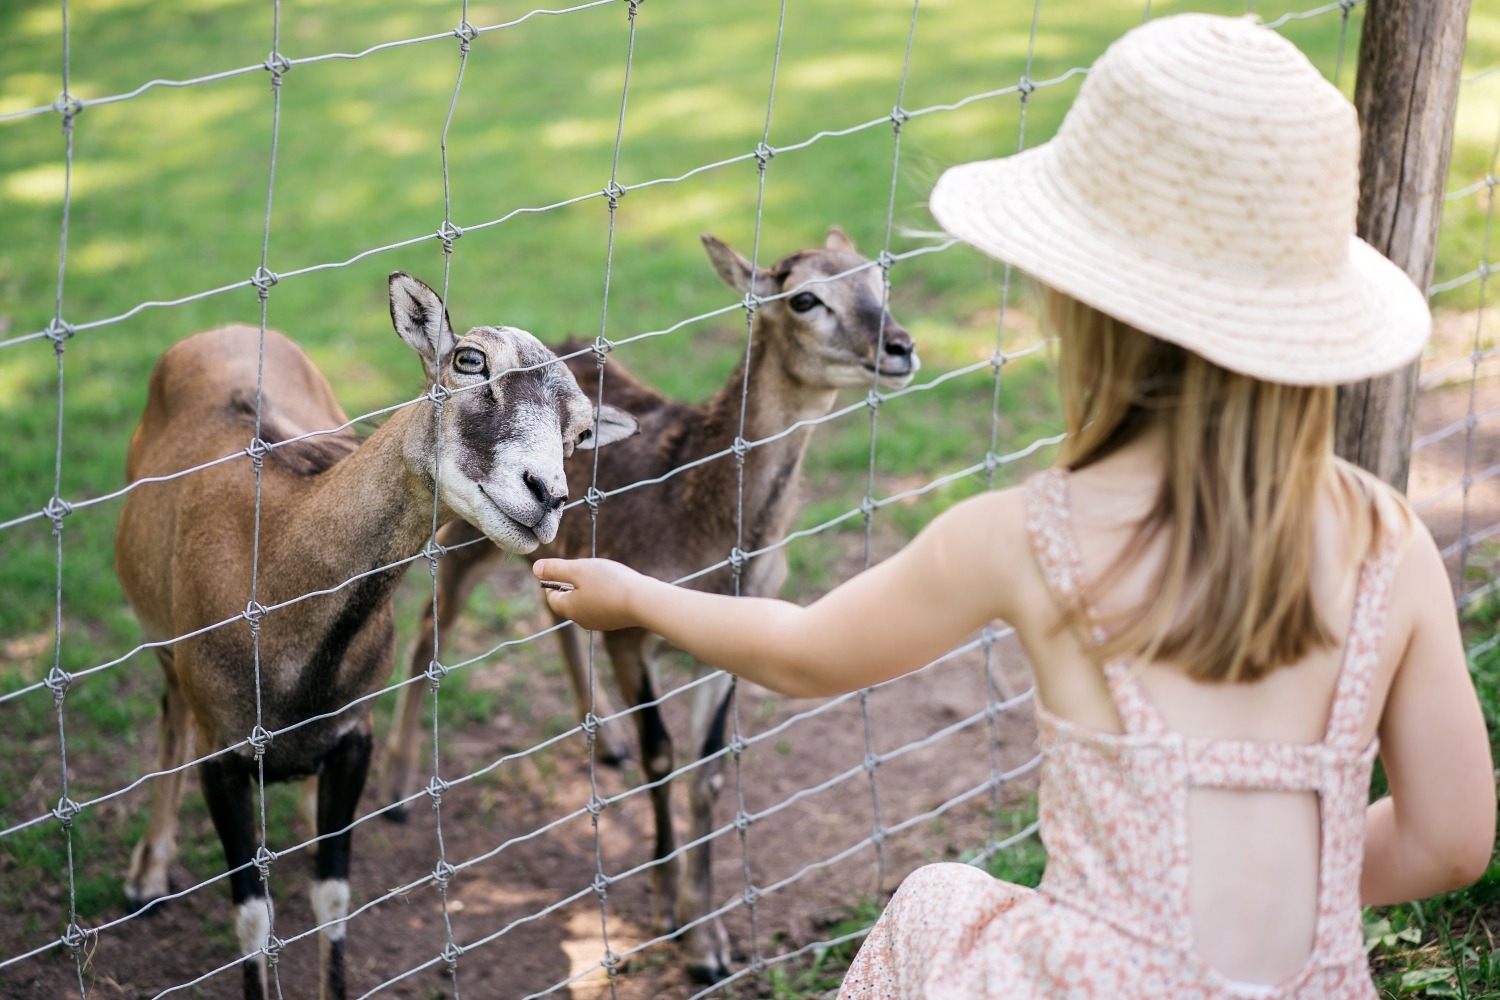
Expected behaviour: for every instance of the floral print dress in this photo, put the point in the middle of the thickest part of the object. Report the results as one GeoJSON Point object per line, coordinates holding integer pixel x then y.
{"type": "Point", "coordinates": [1111, 918]}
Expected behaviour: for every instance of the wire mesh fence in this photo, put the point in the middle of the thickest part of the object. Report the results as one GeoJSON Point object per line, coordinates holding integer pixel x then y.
{"type": "Point", "coordinates": [617, 129]}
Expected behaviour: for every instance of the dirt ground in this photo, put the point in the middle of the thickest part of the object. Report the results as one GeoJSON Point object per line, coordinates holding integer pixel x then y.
{"type": "Point", "coordinates": [496, 900]}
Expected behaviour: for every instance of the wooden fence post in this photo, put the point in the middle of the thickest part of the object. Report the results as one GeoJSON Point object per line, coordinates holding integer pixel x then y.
{"type": "Point", "coordinates": [1410, 55]}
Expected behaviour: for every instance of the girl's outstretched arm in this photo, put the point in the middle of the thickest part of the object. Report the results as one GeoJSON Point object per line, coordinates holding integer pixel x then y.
{"type": "Point", "coordinates": [895, 617]}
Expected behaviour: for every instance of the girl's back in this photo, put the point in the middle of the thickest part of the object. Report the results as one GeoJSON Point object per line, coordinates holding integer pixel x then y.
{"type": "Point", "coordinates": [1253, 854]}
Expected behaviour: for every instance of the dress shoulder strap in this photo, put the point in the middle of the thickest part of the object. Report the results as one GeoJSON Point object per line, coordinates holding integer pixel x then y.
{"type": "Point", "coordinates": [1361, 647]}
{"type": "Point", "coordinates": [1049, 524]}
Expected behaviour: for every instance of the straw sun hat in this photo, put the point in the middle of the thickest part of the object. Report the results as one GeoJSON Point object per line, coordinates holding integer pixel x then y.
{"type": "Point", "coordinates": [1203, 189]}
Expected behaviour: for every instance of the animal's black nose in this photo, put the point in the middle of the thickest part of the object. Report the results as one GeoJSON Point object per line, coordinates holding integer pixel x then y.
{"type": "Point", "coordinates": [898, 343]}
{"type": "Point", "coordinates": [543, 494]}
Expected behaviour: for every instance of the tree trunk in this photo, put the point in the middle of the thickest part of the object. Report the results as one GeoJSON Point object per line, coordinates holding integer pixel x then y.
{"type": "Point", "coordinates": [1406, 91]}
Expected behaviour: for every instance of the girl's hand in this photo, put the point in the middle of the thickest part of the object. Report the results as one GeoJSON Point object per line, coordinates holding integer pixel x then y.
{"type": "Point", "coordinates": [597, 592]}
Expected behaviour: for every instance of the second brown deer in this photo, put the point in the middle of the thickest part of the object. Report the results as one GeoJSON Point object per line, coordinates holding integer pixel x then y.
{"type": "Point", "coordinates": [821, 325]}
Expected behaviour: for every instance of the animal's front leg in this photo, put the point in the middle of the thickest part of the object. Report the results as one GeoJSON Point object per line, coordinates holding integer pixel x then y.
{"type": "Point", "coordinates": [339, 787]}
{"type": "Point", "coordinates": [633, 675]}
{"type": "Point", "coordinates": [457, 572]}
{"type": "Point", "coordinates": [226, 789]}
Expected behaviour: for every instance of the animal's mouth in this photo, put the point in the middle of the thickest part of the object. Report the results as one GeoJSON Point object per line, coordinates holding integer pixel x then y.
{"type": "Point", "coordinates": [525, 536]}
{"type": "Point", "coordinates": [901, 373]}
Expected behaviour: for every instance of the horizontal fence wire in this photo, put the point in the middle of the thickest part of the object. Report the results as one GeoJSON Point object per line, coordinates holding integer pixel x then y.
{"type": "Point", "coordinates": [593, 879]}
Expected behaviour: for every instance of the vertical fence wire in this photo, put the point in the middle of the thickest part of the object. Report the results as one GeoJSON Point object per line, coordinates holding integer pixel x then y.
{"type": "Point", "coordinates": [254, 611]}
{"type": "Point", "coordinates": [1476, 355]}
{"type": "Point", "coordinates": [57, 679]}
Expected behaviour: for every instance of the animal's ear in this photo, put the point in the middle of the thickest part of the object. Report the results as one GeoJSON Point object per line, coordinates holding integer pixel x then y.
{"type": "Point", "coordinates": [419, 317]}
{"type": "Point", "coordinates": [614, 424]}
{"type": "Point", "coordinates": [734, 270]}
{"type": "Point", "coordinates": [839, 240]}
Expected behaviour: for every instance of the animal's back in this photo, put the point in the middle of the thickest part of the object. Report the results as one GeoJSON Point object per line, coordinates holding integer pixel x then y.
{"type": "Point", "coordinates": [670, 436]}
{"type": "Point", "coordinates": [200, 406]}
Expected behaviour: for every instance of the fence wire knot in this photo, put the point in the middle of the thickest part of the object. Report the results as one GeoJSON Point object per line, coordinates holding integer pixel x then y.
{"type": "Point", "coordinates": [885, 259]}
{"type": "Point", "coordinates": [872, 761]}
{"type": "Point", "coordinates": [991, 461]}
{"type": "Point", "coordinates": [741, 448]}
{"type": "Point", "coordinates": [1026, 87]}
{"type": "Point", "coordinates": [611, 962]}
{"type": "Point", "coordinates": [868, 507]}
{"type": "Point", "coordinates": [257, 449]}
{"type": "Point", "coordinates": [264, 281]}
{"type": "Point", "coordinates": [68, 106]}
{"type": "Point", "coordinates": [436, 673]}
{"type": "Point", "coordinates": [273, 948]}
{"type": "Point", "coordinates": [57, 508]}
{"type": "Point", "coordinates": [254, 612]}
{"type": "Point", "coordinates": [58, 681]}
{"type": "Point", "coordinates": [278, 66]}
{"type": "Point", "coordinates": [594, 497]}
{"type": "Point", "coordinates": [613, 192]}
{"type": "Point", "coordinates": [75, 937]}
{"type": "Point", "coordinates": [601, 884]}
{"type": "Point", "coordinates": [737, 746]}
{"type": "Point", "coordinates": [433, 552]}
{"type": "Point", "coordinates": [451, 953]}
{"type": "Point", "coordinates": [264, 858]}
{"type": "Point", "coordinates": [435, 789]}
{"type": "Point", "coordinates": [742, 821]}
{"type": "Point", "coordinates": [59, 333]}
{"type": "Point", "coordinates": [449, 234]}
{"type": "Point", "coordinates": [595, 805]}
{"type": "Point", "coordinates": [899, 117]}
{"type": "Point", "coordinates": [634, 7]}
{"type": "Point", "coordinates": [443, 873]}
{"type": "Point", "coordinates": [1484, 269]}
{"type": "Point", "coordinates": [65, 811]}
{"type": "Point", "coordinates": [590, 724]}
{"type": "Point", "coordinates": [878, 835]}
{"type": "Point", "coordinates": [258, 739]}
{"type": "Point", "coordinates": [737, 559]}
{"type": "Point", "coordinates": [751, 895]}
{"type": "Point", "coordinates": [466, 34]}
{"type": "Point", "coordinates": [763, 154]}
{"type": "Point", "coordinates": [998, 360]}
{"type": "Point", "coordinates": [602, 346]}
{"type": "Point", "coordinates": [439, 394]}
{"type": "Point", "coordinates": [1347, 5]}
{"type": "Point", "coordinates": [873, 399]}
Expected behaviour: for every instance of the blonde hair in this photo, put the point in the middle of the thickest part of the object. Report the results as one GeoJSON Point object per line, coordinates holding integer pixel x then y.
{"type": "Point", "coordinates": [1246, 460]}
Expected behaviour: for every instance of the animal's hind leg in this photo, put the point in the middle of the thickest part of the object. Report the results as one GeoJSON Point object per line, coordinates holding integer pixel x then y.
{"type": "Point", "coordinates": [706, 944]}
{"type": "Point", "coordinates": [151, 862]}
{"type": "Point", "coordinates": [226, 789]}
{"type": "Point", "coordinates": [339, 787]}
{"type": "Point", "coordinates": [458, 571]}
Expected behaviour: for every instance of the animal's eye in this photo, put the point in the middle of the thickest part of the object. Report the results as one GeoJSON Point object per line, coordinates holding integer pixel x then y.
{"type": "Point", "coordinates": [469, 361]}
{"type": "Point", "coordinates": [803, 301]}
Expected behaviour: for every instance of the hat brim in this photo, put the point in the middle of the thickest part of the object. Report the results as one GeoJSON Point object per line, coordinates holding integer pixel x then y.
{"type": "Point", "coordinates": [1366, 320]}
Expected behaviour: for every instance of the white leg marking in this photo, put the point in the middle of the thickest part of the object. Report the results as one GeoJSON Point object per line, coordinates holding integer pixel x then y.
{"type": "Point", "coordinates": [330, 902]}
{"type": "Point", "coordinates": [252, 924]}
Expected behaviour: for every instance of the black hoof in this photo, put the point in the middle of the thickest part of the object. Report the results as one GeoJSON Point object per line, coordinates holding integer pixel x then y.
{"type": "Point", "coordinates": [708, 973]}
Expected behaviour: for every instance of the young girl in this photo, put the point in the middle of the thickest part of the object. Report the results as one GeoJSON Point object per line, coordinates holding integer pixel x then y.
{"type": "Point", "coordinates": [1224, 620]}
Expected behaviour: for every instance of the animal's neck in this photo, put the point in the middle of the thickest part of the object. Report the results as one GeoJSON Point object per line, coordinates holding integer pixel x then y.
{"type": "Point", "coordinates": [368, 510]}
{"type": "Point", "coordinates": [775, 400]}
